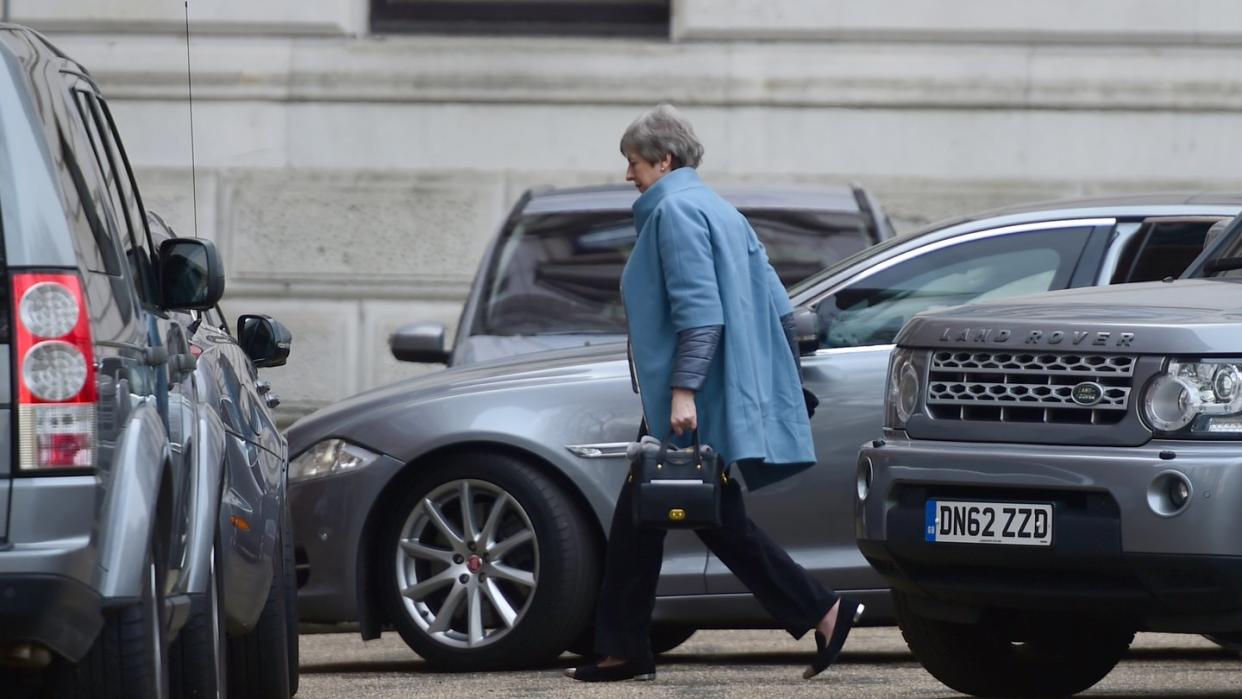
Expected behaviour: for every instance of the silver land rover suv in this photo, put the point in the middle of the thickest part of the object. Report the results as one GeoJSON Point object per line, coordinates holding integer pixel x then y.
{"type": "Point", "coordinates": [145, 544]}
{"type": "Point", "coordinates": [1059, 471]}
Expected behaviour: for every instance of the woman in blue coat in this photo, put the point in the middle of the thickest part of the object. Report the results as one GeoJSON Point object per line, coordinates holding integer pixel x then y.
{"type": "Point", "coordinates": [712, 349]}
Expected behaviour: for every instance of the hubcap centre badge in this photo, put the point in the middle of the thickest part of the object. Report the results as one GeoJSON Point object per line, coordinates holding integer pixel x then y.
{"type": "Point", "coordinates": [474, 563]}
{"type": "Point", "coordinates": [1087, 393]}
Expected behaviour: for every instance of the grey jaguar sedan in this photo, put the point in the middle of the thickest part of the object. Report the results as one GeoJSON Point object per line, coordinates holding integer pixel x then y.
{"type": "Point", "coordinates": [468, 508]}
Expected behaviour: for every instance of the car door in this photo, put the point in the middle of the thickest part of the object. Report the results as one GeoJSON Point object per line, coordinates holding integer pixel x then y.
{"type": "Point", "coordinates": [811, 513]}
{"type": "Point", "coordinates": [254, 466]}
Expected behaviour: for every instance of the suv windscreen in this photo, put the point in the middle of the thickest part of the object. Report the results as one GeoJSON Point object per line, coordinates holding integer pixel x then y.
{"type": "Point", "coordinates": [560, 273]}
{"type": "Point", "coordinates": [1228, 255]}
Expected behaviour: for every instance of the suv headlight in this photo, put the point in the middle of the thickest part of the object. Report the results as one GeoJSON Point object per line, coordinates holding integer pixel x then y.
{"type": "Point", "coordinates": [1196, 397]}
{"type": "Point", "coordinates": [329, 457]}
{"type": "Point", "coordinates": [905, 385]}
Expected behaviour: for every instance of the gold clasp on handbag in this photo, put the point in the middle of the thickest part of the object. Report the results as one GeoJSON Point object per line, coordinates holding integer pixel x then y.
{"type": "Point", "coordinates": [676, 514]}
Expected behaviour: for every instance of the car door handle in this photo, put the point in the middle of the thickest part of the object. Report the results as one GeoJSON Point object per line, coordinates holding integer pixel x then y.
{"type": "Point", "coordinates": [262, 386]}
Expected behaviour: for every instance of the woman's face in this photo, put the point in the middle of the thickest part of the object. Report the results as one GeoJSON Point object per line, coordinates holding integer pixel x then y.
{"type": "Point", "coordinates": [644, 174]}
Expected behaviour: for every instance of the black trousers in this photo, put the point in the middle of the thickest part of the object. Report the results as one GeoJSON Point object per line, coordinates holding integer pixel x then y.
{"type": "Point", "coordinates": [632, 568]}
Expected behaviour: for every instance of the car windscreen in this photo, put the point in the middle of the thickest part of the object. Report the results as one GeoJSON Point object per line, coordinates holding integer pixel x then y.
{"type": "Point", "coordinates": [560, 273]}
{"type": "Point", "coordinates": [1223, 257]}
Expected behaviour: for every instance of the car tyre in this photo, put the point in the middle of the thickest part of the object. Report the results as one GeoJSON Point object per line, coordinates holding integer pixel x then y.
{"type": "Point", "coordinates": [517, 590]}
{"type": "Point", "coordinates": [258, 661]}
{"type": "Point", "coordinates": [129, 659]}
{"type": "Point", "coordinates": [198, 659]}
{"type": "Point", "coordinates": [981, 660]}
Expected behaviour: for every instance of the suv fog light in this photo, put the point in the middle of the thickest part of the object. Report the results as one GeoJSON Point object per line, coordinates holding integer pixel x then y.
{"type": "Point", "coordinates": [1179, 493]}
{"type": "Point", "coordinates": [865, 473]}
{"type": "Point", "coordinates": [1169, 493]}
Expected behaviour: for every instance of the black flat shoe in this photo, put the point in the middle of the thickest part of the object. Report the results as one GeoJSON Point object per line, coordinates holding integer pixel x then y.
{"type": "Point", "coordinates": [827, 649]}
{"type": "Point", "coordinates": [627, 670]}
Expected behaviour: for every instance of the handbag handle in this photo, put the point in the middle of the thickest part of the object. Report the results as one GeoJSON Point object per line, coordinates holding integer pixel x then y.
{"type": "Point", "coordinates": [668, 441]}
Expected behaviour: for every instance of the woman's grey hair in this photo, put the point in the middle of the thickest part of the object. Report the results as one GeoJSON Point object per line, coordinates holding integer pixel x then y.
{"type": "Point", "coordinates": [660, 132]}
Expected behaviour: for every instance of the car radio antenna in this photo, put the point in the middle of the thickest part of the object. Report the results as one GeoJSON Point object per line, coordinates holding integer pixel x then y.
{"type": "Point", "coordinates": [189, 86]}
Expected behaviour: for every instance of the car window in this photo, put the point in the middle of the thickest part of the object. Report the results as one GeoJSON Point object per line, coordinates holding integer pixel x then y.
{"type": "Point", "coordinates": [1231, 248]}
{"type": "Point", "coordinates": [561, 273]}
{"type": "Point", "coordinates": [1160, 249]}
{"type": "Point", "coordinates": [92, 227]}
{"type": "Point", "coordinates": [872, 310]}
{"type": "Point", "coordinates": [215, 318]}
{"type": "Point", "coordinates": [120, 191]}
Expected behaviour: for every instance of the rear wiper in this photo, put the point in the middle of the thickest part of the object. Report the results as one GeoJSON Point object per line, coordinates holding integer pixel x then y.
{"type": "Point", "coordinates": [1222, 264]}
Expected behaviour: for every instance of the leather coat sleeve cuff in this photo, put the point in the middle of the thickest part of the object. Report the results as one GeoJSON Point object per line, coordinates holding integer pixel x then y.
{"type": "Point", "coordinates": [695, 349]}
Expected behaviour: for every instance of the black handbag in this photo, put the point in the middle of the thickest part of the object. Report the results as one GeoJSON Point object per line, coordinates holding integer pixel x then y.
{"type": "Point", "coordinates": [677, 488]}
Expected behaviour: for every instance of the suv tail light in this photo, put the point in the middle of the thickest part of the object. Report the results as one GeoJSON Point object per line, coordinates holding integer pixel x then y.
{"type": "Point", "coordinates": [56, 391]}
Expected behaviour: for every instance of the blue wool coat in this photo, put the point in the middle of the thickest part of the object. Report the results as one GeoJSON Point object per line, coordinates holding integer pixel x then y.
{"type": "Point", "coordinates": [698, 262]}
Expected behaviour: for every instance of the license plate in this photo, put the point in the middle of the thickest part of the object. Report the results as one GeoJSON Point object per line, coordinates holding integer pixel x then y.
{"type": "Point", "coordinates": [958, 522]}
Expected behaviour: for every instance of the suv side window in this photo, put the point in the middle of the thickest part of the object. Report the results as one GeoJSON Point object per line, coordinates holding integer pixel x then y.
{"type": "Point", "coordinates": [216, 318]}
{"type": "Point", "coordinates": [146, 245]}
{"type": "Point", "coordinates": [870, 311]}
{"type": "Point", "coordinates": [95, 240]}
{"type": "Point", "coordinates": [95, 223]}
{"type": "Point", "coordinates": [120, 191]}
{"type": "Point", "coordinates": [1161, 248]}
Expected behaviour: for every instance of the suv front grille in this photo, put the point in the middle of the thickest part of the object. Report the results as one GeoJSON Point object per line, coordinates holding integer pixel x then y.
{"type": "Point", "coordinates": [1029, 387]}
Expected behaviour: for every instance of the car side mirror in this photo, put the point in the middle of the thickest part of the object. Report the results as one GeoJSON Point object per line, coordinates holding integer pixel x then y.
{"type": "Point", "coordinates": [264, 340]}
{"type": "Point", "coordinates": [191, 274]}
{"type": "Point", "coordinates": [419, 342]}
{"type": "Point", "coordinates": [807, 327]}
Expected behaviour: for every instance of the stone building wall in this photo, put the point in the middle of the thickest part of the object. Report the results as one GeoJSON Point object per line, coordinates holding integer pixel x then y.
{"type": "Point", "coordinates": [352, 180]}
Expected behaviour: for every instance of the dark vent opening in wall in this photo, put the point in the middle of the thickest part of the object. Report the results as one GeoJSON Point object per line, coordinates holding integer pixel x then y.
{"type": "Point", "coordinates": [629, 18]}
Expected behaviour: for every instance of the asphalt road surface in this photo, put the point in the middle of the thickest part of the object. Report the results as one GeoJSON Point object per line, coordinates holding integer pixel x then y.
{"type": "Point", "coordinates": [741, 664]}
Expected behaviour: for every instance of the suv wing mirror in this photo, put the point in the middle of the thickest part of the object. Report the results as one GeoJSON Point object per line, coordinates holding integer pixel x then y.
{"type": "Point", "coordinates": [264, 340]}
{"type": "Point", "coordinates": [807, 326]}
{"type": "Point", "coordinates": [191, 274]}
{"type": "Point", "coordinates": [419, 342]}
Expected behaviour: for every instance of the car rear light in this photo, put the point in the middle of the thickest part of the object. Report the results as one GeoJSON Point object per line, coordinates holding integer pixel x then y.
{"type": "Point", "coordinates": [56, 391]}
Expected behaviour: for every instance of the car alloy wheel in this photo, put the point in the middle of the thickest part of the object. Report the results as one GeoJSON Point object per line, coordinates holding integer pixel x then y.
{"type": "Point", "coordinates": [467, 563]}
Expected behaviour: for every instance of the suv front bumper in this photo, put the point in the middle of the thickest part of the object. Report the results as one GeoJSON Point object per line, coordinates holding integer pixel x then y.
{"type": "Point", "coordinates": [1112, 553]}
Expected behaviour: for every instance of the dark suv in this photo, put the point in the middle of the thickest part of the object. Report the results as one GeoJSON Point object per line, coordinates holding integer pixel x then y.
{"type": "Point", "coordinates": [128, 411]}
